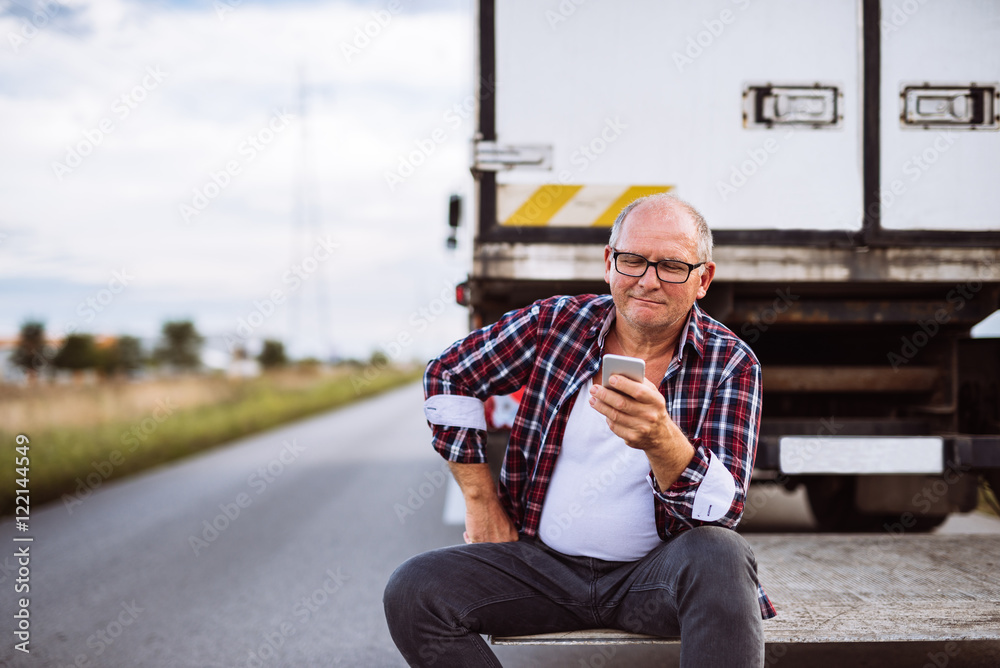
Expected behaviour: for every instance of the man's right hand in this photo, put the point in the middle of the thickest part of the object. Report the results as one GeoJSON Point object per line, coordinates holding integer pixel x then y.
{"type": "Point", "coordinates": [485, 519]}
{"type": "Point", "coordinates": [487, 522]}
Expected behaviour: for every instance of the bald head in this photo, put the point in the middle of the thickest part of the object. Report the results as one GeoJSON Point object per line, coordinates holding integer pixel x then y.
{"type": "Point", "coordinates": [671, 208]}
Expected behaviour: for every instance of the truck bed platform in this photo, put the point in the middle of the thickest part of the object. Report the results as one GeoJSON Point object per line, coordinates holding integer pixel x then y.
{"type": "Point", "coordinates": [859, 588]}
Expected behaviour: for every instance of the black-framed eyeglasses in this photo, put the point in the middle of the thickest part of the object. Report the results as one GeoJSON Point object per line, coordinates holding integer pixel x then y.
{"type": "Point", "coordinates": [668, 271]}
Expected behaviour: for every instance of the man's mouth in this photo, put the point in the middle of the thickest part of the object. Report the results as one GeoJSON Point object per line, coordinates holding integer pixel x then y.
{"type": "Point", "coordinates": [644, 299]}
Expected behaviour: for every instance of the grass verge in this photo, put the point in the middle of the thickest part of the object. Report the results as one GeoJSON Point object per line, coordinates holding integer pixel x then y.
{"type": "Point", "coordinates": [989, 499]}
{"type": "Point", "coordinates": [74, 461]}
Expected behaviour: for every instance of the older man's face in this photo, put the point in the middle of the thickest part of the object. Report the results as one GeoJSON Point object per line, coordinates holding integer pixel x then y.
{"type": "Point", "coordinates": [657, 233]}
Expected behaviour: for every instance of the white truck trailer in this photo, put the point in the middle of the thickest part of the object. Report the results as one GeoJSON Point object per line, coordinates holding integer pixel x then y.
{"type": "Point", "coordinates": [846, 155]}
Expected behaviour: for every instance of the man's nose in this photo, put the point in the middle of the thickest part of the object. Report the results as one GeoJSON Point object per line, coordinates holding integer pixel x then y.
{"type": "Point", "coordinates": [649, 280]}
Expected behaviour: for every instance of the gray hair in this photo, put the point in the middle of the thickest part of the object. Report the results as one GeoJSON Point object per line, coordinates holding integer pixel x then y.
{"type": "Point", "coordinates": [705, 242]}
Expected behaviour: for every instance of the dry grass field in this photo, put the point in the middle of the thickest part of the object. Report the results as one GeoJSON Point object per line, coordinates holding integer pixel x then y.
{"type": "Point", "coordinates": [44, 405]}
{"type": "Point", "coordinates": [113, 428]}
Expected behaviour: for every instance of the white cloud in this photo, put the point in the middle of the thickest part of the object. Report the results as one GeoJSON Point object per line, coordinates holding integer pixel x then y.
{"type": "Point", "coordinates": [172, 95]}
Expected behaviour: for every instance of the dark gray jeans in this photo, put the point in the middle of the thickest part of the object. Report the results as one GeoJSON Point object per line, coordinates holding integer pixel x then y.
{"type": "Point", "coordinates": [700, 585]}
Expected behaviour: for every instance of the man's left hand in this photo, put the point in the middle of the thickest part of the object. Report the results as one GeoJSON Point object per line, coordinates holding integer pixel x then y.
{"type": "Point", "coordinates": [636, 412]}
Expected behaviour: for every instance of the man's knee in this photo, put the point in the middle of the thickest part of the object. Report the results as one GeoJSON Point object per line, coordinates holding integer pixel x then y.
{"type": "Point", "coordinates": [718, 542]}
{"type": "Point", "coordinates": [715, 552]}
{"type": "Point", "coordinates": [409, 583]}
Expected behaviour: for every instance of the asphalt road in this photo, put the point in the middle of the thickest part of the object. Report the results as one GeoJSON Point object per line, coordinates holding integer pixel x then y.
{"type": "Point", "coordinates": [274, 551]}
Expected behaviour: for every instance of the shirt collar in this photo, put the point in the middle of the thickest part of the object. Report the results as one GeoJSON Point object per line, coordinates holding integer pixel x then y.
{"type": "Point", "coordinates": [606, 325]}
{"type": "Point", "coordinates": [691, 334]}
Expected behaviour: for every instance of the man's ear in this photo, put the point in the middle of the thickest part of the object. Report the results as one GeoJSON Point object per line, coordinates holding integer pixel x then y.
{"type": "Point", "coordinates": [706, 278]}
{"type": "Point", "coordinates": [608, 260]}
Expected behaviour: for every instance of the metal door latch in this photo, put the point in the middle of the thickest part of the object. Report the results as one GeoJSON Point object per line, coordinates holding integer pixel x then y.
{"type": "Point", "coordinates": [816, 106]}
{"type": "Point", "coordinates": [951, 107]}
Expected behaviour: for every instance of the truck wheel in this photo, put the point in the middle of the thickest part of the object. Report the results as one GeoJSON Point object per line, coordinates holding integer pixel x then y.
{"type": "Point", "coordinates": [831, 499]}
{"type": "Point", "coordinates": [927, 522]}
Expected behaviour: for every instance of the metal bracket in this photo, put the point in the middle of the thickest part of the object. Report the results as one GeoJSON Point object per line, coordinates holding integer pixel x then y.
{"type": "Point", "coordinates": [489, 156]}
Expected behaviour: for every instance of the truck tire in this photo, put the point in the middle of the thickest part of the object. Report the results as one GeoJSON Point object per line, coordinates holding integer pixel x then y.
{"type": "Point", "coordinates": [831, 499]}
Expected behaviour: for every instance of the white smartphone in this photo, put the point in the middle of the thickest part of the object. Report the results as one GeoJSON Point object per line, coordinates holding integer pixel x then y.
{"type": "Point", "coordinates": [630, 367]}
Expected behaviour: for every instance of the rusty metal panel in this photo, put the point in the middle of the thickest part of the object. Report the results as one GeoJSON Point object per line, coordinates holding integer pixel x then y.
{"type": "Point", "coordinates": [751, 264]}
{"type": "Point", "coordinates": [849, 379]}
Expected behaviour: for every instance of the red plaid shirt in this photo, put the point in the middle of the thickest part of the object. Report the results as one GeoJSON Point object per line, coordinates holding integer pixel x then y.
{"type": "Point", "coordinates": [550, 348]}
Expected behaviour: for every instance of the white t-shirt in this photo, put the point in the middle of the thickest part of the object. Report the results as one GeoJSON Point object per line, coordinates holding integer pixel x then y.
{"type": "Point", "coordinates": [599, 502]}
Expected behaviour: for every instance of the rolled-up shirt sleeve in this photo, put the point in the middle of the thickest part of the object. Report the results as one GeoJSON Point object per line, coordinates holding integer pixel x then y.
{"type": "Point", "coordinates": [712, 488]}
{"type": "Point", "coordinates": [490, 361]}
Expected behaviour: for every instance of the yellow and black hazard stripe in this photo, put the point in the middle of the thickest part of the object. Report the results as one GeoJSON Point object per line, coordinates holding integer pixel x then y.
{"type": "Point", "coordinates": [562, 205]}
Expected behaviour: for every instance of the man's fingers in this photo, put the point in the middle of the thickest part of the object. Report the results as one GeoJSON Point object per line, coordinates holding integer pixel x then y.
{"type": "Point", "coordinates": [616, 407]}
{"type": "Point", "coordinates": [626, 385]}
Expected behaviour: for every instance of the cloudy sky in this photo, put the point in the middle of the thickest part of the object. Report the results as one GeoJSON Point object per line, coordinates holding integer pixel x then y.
{"type": "Point", "coordinates": [157, 166]}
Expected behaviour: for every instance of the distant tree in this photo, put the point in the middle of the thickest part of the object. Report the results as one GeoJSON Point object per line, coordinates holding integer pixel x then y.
{"type": "Point", "coordinates": [30, 353]}
{"type": "Point", "coordinates": [78, 351]}
{"type": "Point", "coordinates": [273, 354]}
{"type": "Point", "coordinates": [122, 356]}
{"type": "Point", "coordinates": [180, 345]}
{"type": "Point", "coordinates": [129, 353]}
{"type": "Point", "coordinates": [378, 359]}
